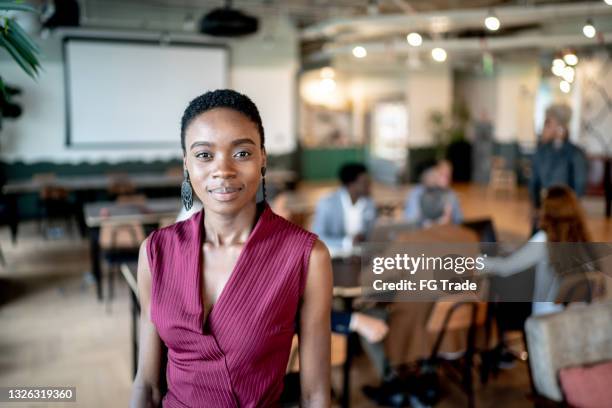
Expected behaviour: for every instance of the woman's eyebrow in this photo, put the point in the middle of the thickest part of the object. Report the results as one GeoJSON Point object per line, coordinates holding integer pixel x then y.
{"type": "Point", "coordinates": [242, 141]}
{"type": "Point", "coordinates": [196, 144]}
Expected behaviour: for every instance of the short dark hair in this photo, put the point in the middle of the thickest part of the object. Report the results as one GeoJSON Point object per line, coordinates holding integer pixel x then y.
{"type": "Point", "coordinates": [425, 165]}
{"type": "Point", "coordinates": [349, 172]}
{"type": "Point", "coordinates": [221, 98]}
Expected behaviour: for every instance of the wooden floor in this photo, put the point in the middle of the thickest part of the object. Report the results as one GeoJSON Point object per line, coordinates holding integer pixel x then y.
{"type": "Point", "coordinates": [53, 332]}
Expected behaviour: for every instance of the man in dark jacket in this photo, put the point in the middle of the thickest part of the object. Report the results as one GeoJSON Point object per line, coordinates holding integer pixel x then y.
{"type": "Point", "coordinates": [557, 160]}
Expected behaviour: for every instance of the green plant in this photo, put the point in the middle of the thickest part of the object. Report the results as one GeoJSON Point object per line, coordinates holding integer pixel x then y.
{"type": "Point", "coordinates": [446, 129]}
{"type": "Point", "coordinates": [17, 42]}
{"type": "Point", "coordinates": [440, 130]}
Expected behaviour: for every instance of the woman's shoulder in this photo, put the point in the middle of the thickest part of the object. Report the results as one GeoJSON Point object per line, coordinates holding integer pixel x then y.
{"type": "Point", "coordinates": [171, 231]}
{"type": "Point", "coordinates": [287, 227]}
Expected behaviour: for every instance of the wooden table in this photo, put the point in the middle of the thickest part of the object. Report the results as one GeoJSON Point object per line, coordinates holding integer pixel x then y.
{"type": "Point", "coordinates": [83, 185]}
{"type": "Point", "coordinates": [148, 214]}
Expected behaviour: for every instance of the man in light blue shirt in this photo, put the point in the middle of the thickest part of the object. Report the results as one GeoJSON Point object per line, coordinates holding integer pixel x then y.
{"type": "Point", "coordinates": [433, 202]}
{"type": "Point", "coordinates": [346, 217]}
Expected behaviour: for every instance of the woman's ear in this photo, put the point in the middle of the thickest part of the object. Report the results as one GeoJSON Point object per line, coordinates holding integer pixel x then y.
{"type": "Point", "coordinates": [264, 161]}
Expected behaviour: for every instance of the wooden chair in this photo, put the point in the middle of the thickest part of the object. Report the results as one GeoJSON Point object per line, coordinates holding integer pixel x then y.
{"type": "Point", "coordinates": [53, 203]}
{"type": "Point", "coordinates": [120, 243]}
{"type": "Point", "coordinates": [502, 179]}
{"type": "Point", "coordinates": [463, 316]}
{"type": "Point", "coordinates": [578, 335]}
{"type": "Point", "coordinates": [120, 185]}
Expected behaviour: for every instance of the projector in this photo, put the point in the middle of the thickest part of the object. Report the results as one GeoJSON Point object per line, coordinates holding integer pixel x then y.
{"type": "Point", "coordinates": [228, 22]}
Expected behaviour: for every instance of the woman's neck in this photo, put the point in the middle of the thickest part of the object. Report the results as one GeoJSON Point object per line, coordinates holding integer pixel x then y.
{"type": "Point", "coordinates": [229, 229]}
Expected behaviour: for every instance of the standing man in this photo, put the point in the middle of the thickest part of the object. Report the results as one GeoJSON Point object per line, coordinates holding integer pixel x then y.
{"type": "Point", "coordinates": [557, 160]}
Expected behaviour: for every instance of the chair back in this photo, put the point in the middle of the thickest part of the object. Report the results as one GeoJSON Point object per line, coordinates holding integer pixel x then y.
{"type": "Point", "coordinates": [578, 335]}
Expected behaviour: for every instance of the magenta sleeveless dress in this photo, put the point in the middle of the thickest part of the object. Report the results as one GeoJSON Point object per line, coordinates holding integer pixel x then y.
{"type": "Point", "coordinates": [239, 356]}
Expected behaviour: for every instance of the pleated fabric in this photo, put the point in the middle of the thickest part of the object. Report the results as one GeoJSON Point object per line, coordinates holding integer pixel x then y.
{"type": "Point", "coordinates": [238, 357]}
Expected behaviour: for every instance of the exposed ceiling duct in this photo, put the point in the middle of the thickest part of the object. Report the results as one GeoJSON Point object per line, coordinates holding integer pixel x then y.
{"type": "Point", "coordinates": [386, 25]}
{"type": "Point", "coordinates": [464, 45]}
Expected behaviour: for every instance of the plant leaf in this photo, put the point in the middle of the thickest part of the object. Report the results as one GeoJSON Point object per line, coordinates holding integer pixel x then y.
{"type": "Point", "coordinates": [22, 48]}
{"type": "Point", "coordinates": [14, 25]}
{"type": "Point", "coordinates": [16, 56]}
{"type": "Point", "coordinates": [9, 5]}
{"type": "Point", "coordinates": [5, 94]}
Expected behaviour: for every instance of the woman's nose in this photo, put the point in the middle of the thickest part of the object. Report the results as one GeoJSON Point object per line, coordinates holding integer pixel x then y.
{"type": "Point", "coordinates": [224, 168]}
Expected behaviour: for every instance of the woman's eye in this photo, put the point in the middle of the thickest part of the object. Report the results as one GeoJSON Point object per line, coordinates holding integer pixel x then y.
{"type": "Point", "coordinates": [203, 155]}
{"type": "Point", "coordinates": [242, 154]}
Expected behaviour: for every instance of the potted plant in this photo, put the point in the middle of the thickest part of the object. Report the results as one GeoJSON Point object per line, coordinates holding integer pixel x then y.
{"type": "Point", "coordinates": [20, 47]}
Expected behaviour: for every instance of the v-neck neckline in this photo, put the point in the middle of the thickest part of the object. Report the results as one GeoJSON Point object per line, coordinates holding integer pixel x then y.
{"type": "Point", "coordinates": [203, 322]}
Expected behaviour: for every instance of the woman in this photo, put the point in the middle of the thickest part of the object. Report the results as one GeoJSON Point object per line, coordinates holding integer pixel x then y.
{"type": "Point", "coordinates": [223, 289]}
{"type": "Point", "coordinates": [561, 221]}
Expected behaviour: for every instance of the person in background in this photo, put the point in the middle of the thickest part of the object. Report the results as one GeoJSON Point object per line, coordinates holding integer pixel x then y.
{"type": "Point", "coordinates": [433, 202]}
{"type": "Point", "coordinates": [561, 221]}
{"type": "Point", "coordinates": [346, 217]}
{"type": "Point", "coordinates": [556, 159]}
{"type": "Point", "coordinates": [371, 328]}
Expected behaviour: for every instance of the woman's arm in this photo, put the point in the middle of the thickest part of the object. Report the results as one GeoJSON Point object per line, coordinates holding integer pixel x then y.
{"type": "Point", "coordinates": [315, 334]}
{"type": "Point", "coordinates": [145, 391]}
{"type": "Point", "coordinates": [524, 258]}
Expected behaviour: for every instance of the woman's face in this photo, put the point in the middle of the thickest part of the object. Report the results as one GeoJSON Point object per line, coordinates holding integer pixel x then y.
{"type": "Point", "coordinates": [224, 158]}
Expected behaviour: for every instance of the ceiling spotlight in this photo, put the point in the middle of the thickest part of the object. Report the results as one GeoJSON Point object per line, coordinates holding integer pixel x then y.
{"type": "Point", "coordinates": [558, 70]}
{"type": "Point", "coordinates": [608, 2]}
{"type": "Point", "coordinates": [328, 85]}
{"type": "Point", "coordinates": [589, 30]}
{"type": "Point", "coordinates": [359, 52]}
{"type": "Point", "coordinates": [558, 62]}
{"type": "Point", "coordinates": [327, 72]}
{"type": "Point", "coordinates": [438, 54]}
{"type": "Point", "coordinates": [565, 86]}
{"type": "Point", "coordinates": [568, 74]}
{"type": "Point", "coordinates": [414, 39]}
{"type": "Point", "coordinates": [570, 58]}
{"type": "Point", "coordinates": [492, 22]}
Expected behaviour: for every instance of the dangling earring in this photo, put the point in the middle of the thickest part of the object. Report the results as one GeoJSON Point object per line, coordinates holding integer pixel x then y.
{"type": "Point", "coordinates": [263, 182]}
{"type": "Point", "coordinates": [186, 191]}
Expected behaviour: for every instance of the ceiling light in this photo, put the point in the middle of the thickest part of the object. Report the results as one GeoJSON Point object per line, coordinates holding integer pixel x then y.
{"type": "Point", "coordinates": [565, 86]}
{"type": "Point", "coordinates": [492, 22]}
{"type": "Point", "coordinates": [359, 52]}
{"type": "Point", "coordinates": [558, 62]}
{"type": "Point", "coordinates": [328, 85]}
{"type": "Point", "coordinates": [589, 30]}
{"type": "Point", "coordinates": [558, 70]}
{"type": "Point", "coordinates": [414, 39]}
{"type": "Point", "coordinates": [568, 74]}
{"type": "Point", "coordinates": [608, 2]}
{"type": "Point", "coordinates": [570, 58]}
{"type": "Point", "coordinates": [327, 72]}
{"type": "Point", "coordinates": [438, 54]}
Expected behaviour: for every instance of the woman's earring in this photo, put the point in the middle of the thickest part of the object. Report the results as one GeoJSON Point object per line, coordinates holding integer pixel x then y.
{"type": "Point", "coordinates": [186, 191]}
{"type": "Point", "coordinates": [263, 182]}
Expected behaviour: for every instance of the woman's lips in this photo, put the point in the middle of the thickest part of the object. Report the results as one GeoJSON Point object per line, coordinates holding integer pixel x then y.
{"type": "Point", "coordinates": [225, 193]}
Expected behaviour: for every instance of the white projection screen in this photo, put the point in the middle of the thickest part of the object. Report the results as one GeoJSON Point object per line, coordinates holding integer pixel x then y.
{"type": "Point", "coordinates": [133, 93]}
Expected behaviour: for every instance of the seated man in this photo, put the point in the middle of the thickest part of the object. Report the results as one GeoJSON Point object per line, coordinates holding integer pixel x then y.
{"type": "Point", "coordinates": [346, 217]}
{"type": "Point", "coordinates": [433, 202]}
{"type": "Point", "coordinates": [371, 328]}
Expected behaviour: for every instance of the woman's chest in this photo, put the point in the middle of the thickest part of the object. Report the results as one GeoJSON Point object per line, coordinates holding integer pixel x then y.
{"type": "Point", "coordinates": [217, 267]}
